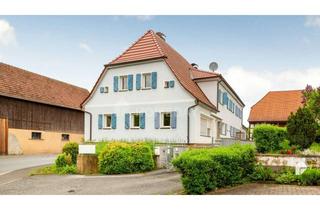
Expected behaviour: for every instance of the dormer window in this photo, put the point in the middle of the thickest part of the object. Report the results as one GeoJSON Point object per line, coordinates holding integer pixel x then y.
{"type": "Point", "coordinates": [146, 81]}
{"type": "Point", "coordinates": [123, 83]}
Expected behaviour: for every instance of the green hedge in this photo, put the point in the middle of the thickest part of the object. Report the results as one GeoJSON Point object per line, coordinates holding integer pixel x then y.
{"type": "Point", "coordinates": [311, 176]}
{"type": "Point", "coordinates": [268, 138]}
{"type": "Point", "coordinates": [206, 169]}
{"type": "Point", "coordinates": [71, 148]}
{"type": "Point", "coordinates": [123, 158]}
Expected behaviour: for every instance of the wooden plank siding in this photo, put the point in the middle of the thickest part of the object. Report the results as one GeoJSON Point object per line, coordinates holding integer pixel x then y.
{"type": "Point", "coordinates": [28, 115]}
{"type": "Point", "coordinates": [3, 136]}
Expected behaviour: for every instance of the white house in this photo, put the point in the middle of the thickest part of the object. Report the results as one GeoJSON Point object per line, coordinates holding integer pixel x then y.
{"type": "Point", "coordinates": [151, 92]}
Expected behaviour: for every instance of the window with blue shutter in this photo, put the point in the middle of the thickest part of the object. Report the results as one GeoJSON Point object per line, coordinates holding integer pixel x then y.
{"type": "Point", "coordinates": [171, 84]}
{"type": "Point", "coordinates": [173, 121]}
{"type": "Point", "coordinates": [115, 83]}
{"type": "Point", "coordinates": [157, 120]}
{"type": "Point", "coordinates": [138, 81]}
{"type": "Point", "coordinates": [101, 89]}
{"type": "Point", "coordinates": [130, 82]}
{"type": "Point", "coordinates": [100, 121]}
{"type": "Point", "coordinates": [154, 80]}
{"type": "Point", "coordinates": [127, 121]}
{"type": "Point", "coordinates": [142, 119]}
{"type": "Point", "coordinates": [113, 121]}
{"type": "Point", "coordinates": [225, 99]}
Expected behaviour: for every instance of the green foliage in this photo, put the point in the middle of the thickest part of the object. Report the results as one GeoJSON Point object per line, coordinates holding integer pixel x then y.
{"type": "Point", "coordinates": [302, 128]}
{"type": "Point", "coordinates": [312, 100]}
{"type": "Point", "coordinates": [315, 147]}
{"type": "Point", "coordinates": [68, 169]}
{"type": "Point", "coordinates": [71, 148]}
{"type": "Point", "coordinates": [63, 160]}
{"type": "Point", "coordinates": [100, 146]}
{"type": "Point", "coordinates": [47, 170]}
{"type": "Point", "coordinates": [262, 173]}
{"type": "Point", "coordinates": [122, 158]}
{"type": "Point", "coordinates": [287, 177]}
{"type": "Point", "coordinates": [268, 137]}
{"type": "Point", "coordinates": [311, 176]}
{"type": "Point", "coordinates": [206, 169]}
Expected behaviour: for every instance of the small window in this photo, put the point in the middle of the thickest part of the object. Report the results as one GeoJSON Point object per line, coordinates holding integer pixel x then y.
{"type": "Point", "coordinates": [65, 137]}
{"type": "Point", "coordinates": [165, 119]}
{"type": "Point", "coordinates": [135, 123]}
{"type": "Point", "coordinates": [146, 81]}
{"type": "Point", "coordinates": [107, 121]}
{"type": "Point", "coordinates": [123, 82]}
{"type": "Point", "coordinates": [166, 84]}
{"type": "Point", "coordinates": [36, 135]}
{"type": "Point", "coordinates": [205, 129]}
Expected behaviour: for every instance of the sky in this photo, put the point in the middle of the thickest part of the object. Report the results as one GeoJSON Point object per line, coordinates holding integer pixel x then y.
{"type": "Point", "coordinates": [255, 54]}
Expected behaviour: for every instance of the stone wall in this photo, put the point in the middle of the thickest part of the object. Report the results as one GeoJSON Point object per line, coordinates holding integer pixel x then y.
{"type": "Point", "coordinates": [292, 161]}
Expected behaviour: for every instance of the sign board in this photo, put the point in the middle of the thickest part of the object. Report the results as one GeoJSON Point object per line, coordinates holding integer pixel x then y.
{"type": "Point", "coordinates": [87, 149]}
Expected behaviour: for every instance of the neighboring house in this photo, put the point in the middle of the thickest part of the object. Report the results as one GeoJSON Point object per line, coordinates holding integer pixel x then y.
{"type": "Point", "coordinates": [41, 114]}
{"type": "Point", "coordinates": [151, 92]}
{"type": "Point", "coordinates": [275, 108]}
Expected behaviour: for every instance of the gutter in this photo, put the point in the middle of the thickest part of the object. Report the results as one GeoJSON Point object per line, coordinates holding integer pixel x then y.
{"type": "Point", "coordinates": [188, 122]}
{"type": "Point", "coordinates": [90, 114]}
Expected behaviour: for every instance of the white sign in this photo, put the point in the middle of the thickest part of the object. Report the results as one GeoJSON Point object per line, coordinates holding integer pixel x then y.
{"type": "Point", "coordinates": [87, 149]}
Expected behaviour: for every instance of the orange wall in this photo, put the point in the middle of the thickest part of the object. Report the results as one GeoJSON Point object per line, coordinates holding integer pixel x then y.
{"type": "Point", "coordinates": [20, 142]}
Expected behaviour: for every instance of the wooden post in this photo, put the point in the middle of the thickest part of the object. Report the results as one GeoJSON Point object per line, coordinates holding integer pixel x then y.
{"type": "Point", "coordinates": [87, 163]}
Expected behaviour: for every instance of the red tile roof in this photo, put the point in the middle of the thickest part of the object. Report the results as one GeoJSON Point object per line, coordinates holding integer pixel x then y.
{"type": "Point", "coordinates": [152, 46]}
{"type": "Point", "coordinates": [25, 85]}
{"type": "Point", "coordinates": [276, 106]}
{"type": "Point", "coordinates": [201, 74]}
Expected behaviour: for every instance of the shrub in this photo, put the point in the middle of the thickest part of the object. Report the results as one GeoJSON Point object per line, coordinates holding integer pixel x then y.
{"type": "Point", "coordinates": [315, 147]}
{"type": "Point", "coordinates": [206, 169]}
{"type": "Point", "coordinates": [286, 177]}
{"type": "Point", "coordinates": [262, 173]}
{"type": "Point", "coordinates": [71, 148]}
{"type": "Point", "coordinates": [122, 158]}
{"type": "Point", "coordinates": [302, 128]}
{"type": "Point", "coordinates": [311, 176]}
{"type": "Point", "coordinates": [268, 137]}
{"type": "Point", "coordinates": [63, 160]}
{"type": "Point", "coordinates": [68, 169]}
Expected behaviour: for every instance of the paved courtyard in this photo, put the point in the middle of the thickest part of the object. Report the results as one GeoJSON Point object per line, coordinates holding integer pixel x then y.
{"type": "Point", "coordinates": [268, 189]}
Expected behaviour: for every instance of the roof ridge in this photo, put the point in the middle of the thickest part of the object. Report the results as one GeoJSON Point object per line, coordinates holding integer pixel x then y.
{"type": "Point", "coordinates": [285, 90]}
{"type": "Point", "coordinates": [30, 72]}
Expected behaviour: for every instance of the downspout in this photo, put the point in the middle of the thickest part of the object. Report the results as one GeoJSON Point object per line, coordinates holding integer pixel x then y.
{"type": "Point", "coordinates": [188, 121]}
{"type": "Point", "coordinates": [90, 114]}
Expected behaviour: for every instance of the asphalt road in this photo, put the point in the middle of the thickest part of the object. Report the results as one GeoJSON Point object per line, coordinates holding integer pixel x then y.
{"type": "Point", "coordinates": [153, 183]}
{"type": "Point", "coordinates": [11, 163]}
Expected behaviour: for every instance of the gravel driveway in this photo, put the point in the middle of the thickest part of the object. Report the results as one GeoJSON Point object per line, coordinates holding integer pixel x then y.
{"type": "Point", "coordinates": [152, 183]}
{"type": "Point", "coordinates": [9, 163]}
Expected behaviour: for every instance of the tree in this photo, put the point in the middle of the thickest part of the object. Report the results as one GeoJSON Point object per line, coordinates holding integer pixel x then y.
{"type": "Point", "coordinates": [302, 128]}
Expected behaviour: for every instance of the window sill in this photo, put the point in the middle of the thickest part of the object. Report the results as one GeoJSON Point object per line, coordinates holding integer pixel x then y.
{"type": "Point", "coordinates": [65, 140]}
{"type": "Point", "coordinates": [205, 136]}
{"type": "Point", "coordinates": [123, 90]}
{"type": "Point", "coordinates": [135, 128]}
{"type": "Point", "coordinates": [147, 88]}
{"type": "Point", "coordinates": [36, 139]}
{"type": "Point", "coordinates": [107, 128]}
{"type": "Point", "coordinates": [165, 127]}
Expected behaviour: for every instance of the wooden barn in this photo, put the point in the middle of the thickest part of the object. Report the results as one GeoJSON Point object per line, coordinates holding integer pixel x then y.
{"type": "Point", "coordinates": [38, 114]}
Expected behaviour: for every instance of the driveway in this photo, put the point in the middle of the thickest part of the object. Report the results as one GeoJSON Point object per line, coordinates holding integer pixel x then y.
{"type": "Point", "coordinates": [11, 163]}
{"type": "Point", "coordinates": [153, 183]}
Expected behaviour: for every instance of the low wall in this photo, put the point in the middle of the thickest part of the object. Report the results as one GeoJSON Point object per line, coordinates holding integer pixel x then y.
{"type": "Point", "coordinates": [20, 142]}
{"type": "Point", "coordinates": [226, 142]}
{"type": "Point", "coordinates": [285, 160]}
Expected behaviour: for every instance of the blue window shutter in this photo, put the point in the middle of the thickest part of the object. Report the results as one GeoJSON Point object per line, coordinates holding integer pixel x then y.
{"type": "Point", "coordinates": [101, 89]}
{"type": "Point", "coordinates": [173, 120]}
{"type": "Point", "coordinates": [130, 82]}
{"type": "Point", "coordinates": [114, 121]}
{"type": "Point", "coordinates": [154, 80]}
{"type": "Point", "coordinates": [100, 121]}
{"type": "Point", "coordinates": [142, 117]}
{"type": "Point", "coordinates": [219, 95]}
{"type": "Point", "coordinates": [225, 99]}
{"type": "Point", "coordinates": [115, 83]}
{"type": "Point", "coordinates": [156, 120]}
{"type": "Point", "coordinates": [127, 121]}
{"type": "Point", "coordinates": [138, 81]}
{"type": "Point", "coordinates": [171, 83]}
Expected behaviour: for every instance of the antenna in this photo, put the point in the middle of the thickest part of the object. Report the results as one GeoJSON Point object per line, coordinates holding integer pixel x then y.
{"type": "Point", "coordinates": [213, 66]}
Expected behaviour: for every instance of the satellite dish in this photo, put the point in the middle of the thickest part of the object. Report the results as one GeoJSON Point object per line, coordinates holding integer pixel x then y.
{"type": "Point", "coordinates": [213, 66]}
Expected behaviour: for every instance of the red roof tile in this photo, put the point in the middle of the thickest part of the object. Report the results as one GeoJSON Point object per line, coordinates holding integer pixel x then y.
{"type": "Point", "coordinates": [152, 46]}
{"type": "Point", "coordinates": [200, 74]}
{"type": "Point", "coordinates": [22, 84]}
{"type": "Point", "coordinates": [276, 106]}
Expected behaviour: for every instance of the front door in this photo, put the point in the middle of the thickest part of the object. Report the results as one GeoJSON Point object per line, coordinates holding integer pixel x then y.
{"type": "Point", "coordinates": [3, 136]}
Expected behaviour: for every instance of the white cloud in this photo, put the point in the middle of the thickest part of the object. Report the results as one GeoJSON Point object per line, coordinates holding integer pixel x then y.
{"type": "Point", "coordinates": [251, 86]}
{"type": "Point", "coordinates": [85, 47]}
{"type": "Point", "coordinates": [312, 21]}
{"type": "Point", "coordinates": [144, 18]}
{"type": "Point", "coordinates": [7, 34]}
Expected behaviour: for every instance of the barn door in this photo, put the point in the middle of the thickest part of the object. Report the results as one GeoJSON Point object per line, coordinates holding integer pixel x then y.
{"type": "Point", "coordinates": [3, 136]}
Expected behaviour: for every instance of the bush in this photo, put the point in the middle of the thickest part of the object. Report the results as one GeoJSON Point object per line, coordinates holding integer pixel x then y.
{"type": "Point", "coordinates": [262, 173]}
{"type": "Point", "coordinates": [68, 169]}
{"type": "Point", "coordinates": [122, 158]}
{"type": "Point", "coordinates": [286, 177]}
{"type": "Point", "coordinates": [315, 147]}
{"type": "Point", "coordinates": [206, 169]}
{"type": "Point", "coordinates": [311, 176]}
{"type": "Point", "coordinates": [63, 160]}
{"type": "Point", "coordinates": [268, 137]}
{"type": "Point", "coordinates": [71, 148]}
{"type": "Point", "coordinates": [302, 128]}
